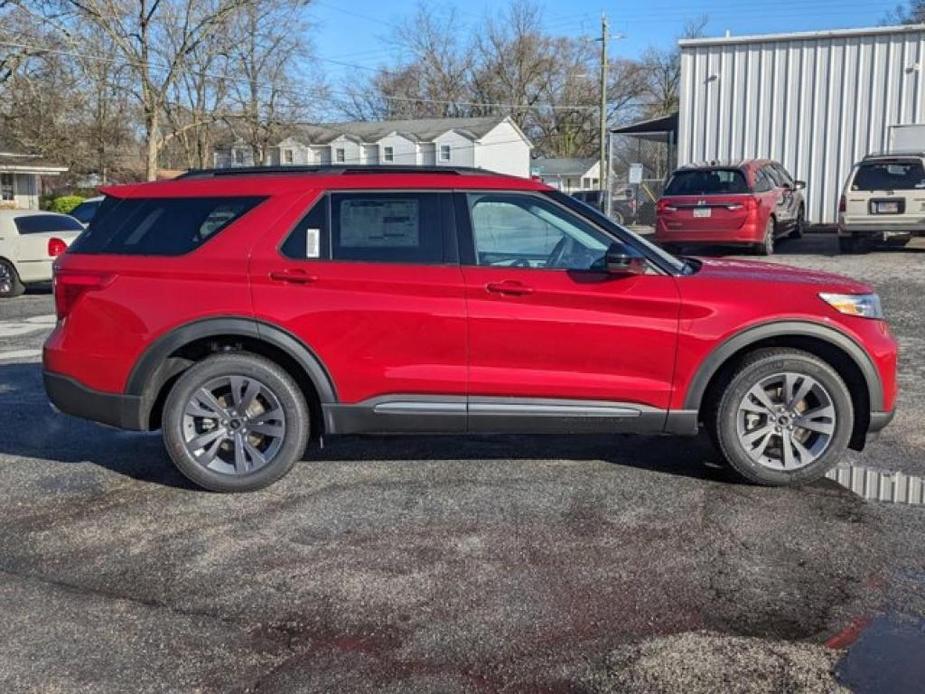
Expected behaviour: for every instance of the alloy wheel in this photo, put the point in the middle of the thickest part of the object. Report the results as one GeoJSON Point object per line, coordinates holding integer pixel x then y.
{"type": "Point", "coordinates": [233, 425]}
{"type": "Point", "coordinates": [786, 421]}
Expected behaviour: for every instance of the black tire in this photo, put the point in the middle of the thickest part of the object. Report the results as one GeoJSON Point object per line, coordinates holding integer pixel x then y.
{"type": "Point", "coordinates": [296, 421]}
{"type": "Point", "coordinates": [617, 217]}
{"type": "Point", "coordinates": [766, 247]}
{"type": "Point", "coordinates": [722, 416]}
{"type": "Point", "coordinates": [10, 284]}
{"type": "Point", "coordinates": [851, 245]}
{"type": "Point", "coordinates": [800, 226]}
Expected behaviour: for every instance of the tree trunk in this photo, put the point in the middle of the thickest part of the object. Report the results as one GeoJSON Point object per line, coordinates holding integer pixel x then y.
{"type": "Point", "coordinates": [151, 143]}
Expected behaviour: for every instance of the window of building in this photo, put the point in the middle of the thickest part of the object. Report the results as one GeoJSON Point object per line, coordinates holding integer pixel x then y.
{"type": "Point", "coordinates": [7, 189]}
{"type": "Point", "coordinates": [445, 152]}
{"type": "Point", "coordinates": [159, 226]}
{"type": "Point", "coordinates": [388, 154]}
{"type": "Point", "coordinates": [340, 156]}
{"type": "Point", "coordinates": [239, 156]}
{"type": "Point", "coordinates": [515, 230]}
{"type": "Point", "coordinates": [287, 156]}
{"type": "Point", "coordinates": [586, 182]}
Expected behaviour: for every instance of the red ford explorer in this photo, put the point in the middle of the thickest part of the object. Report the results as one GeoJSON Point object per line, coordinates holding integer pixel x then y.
{"type": "Point", "coordinates": [750, 203]}
{"type": "Point", "coordinates": [246, 313]}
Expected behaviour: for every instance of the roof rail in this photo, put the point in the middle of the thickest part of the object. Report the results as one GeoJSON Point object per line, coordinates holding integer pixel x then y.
{"type": "Point", "coordinates": [336, 170]}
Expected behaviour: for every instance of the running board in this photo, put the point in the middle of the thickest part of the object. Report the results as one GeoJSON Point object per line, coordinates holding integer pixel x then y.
{"type": "Point", "coordinates": [458, 414]}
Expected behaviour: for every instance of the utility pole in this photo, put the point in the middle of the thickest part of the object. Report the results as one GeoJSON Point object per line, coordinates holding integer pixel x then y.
{"type": "Point", "coordinates": [603, 167]}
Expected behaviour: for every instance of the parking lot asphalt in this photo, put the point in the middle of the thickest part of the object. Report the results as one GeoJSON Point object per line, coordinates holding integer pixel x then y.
{"type": "Point", "coordinates": [452, 564]}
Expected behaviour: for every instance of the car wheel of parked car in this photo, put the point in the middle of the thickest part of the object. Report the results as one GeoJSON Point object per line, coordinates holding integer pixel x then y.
{"type": "Point", "coordinates": [235, 422]}
{"type": "Point", "coordinates": [799, 226]}
{"type": "Point", "coordinates": [766, 247]}
{"type": "Point", "coordinates": [785, 418]}
{"type": "Point", "coordinates": [617, 217]}
{"type": "Point", "coordinates": [10, 284]}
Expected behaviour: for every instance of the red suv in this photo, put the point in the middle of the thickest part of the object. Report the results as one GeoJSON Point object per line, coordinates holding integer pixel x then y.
{"type": "Point", "coordinates": [749, 203]}
{"type": "Point", "coordinates": [248, 312]}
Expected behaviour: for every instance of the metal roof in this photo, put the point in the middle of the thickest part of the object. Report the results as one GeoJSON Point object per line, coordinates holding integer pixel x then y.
{"type": "Point", "coordinates": [561, 166]}
{"type": "Point", "coordinates": [801, 35]}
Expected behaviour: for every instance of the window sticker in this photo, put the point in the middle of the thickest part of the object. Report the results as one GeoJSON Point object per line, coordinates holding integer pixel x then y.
{"type": "Point", "coordinates": [379, 223]}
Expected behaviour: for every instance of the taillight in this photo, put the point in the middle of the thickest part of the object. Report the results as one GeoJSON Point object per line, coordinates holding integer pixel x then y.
{"type": "Point", "coordinates": [56, 247]}
{"type": "Point", "coordinates": [752, 204]}
{"type": "Point", "coordinates": [665, 206]}
{"type": "Point", "coordinates": [70, 286]}
{"type": "Point", "coordinates": [843, 204]}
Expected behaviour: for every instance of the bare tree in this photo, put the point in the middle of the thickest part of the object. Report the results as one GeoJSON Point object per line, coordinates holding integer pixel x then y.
{"type": "Point", "coordinates": [663, 72]}
{"type": "Point", "coordinates": [912, 12]}
{"type": "Point", "coordinates": [154, 38]}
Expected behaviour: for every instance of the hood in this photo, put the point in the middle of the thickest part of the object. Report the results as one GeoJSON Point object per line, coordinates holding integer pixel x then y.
{"type": "Point", "coordinates": [747, 270]}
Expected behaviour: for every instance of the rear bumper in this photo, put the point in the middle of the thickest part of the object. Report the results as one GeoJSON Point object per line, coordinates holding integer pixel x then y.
{"type": "Point", "coordinates": [73, 398]}
{"type": "Point", "coordinates": [744, 234]}
{"type": "Point", "coordinates": [877, 229]}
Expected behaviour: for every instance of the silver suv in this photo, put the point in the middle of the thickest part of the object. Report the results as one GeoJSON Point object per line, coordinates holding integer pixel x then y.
{"type": "Point", "coordinates": [883, 200]}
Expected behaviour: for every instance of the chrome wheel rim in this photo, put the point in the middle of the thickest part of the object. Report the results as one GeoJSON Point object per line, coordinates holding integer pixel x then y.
{"type": "Point", "coordinates": [6, 279]}
{"type": "Point", "coordinates": [234, 425]}
{"type": "Point", "coordinates": [786, 421]}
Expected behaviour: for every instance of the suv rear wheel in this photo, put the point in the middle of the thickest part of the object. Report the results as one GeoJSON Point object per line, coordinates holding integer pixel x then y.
{"type": "Point", "coordinates": [785, 418]}
{"type": "Point", "coordinates": [235, 423]}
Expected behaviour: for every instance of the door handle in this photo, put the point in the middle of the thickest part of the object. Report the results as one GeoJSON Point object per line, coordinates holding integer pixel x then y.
{"type": "Point", "coordinates": [508, 288]}
{"type": "Point", "coordinates": [293, 276]}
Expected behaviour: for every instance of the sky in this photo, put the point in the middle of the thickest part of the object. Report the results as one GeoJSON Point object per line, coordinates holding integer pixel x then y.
{"type": "Point", "coordinates": [357, 31]}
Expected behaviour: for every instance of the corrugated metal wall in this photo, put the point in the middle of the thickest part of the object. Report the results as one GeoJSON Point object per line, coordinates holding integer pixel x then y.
{"type": "Point", "coordinates": [817, 102]}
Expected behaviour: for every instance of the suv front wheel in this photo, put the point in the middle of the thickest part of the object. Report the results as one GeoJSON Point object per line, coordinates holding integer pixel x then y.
{"type": "Point", "coordinates": [785, 418]}
{"type": "Point", "coordinates": [235, 422]}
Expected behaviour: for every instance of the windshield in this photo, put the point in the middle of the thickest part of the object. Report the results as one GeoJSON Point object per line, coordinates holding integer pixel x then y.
{"type": "Point", "coordinates": [647, 248]}
{"type": "Point", "coordinates": [707, 182]}
{"type": "Point", "coordinates": [84, 212]}
{"type": "Point", "coordinates": [899, 174]}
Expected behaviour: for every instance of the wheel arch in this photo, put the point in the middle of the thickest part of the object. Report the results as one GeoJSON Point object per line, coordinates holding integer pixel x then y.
{"type": "Point", "coordinates": [849, 358]}
{"type": "Point", "coordinates": [172, 353]}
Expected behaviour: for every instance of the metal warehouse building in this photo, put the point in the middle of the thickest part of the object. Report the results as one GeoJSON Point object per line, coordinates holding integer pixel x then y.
{"type": "Point", "coordinates": [817, 102]}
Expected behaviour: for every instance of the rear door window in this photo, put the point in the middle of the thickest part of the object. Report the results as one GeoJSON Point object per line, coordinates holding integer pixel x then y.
{"type": "Point", "coordinates": [45, 223]}
{"type": "Point", "coordinates": [707, 182]}
{"type": "Point", "coordinates": [906, 174]}
{"type": "Point", "coordinates": [391, 227]}
{"type": "Point", "coordinates": [159, 226]}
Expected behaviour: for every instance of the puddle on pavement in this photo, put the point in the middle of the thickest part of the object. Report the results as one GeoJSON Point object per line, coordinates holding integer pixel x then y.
{"type": "Point", "coordinates": [887, 657]}
{"type": "Point", "coordinates": [880, 485]}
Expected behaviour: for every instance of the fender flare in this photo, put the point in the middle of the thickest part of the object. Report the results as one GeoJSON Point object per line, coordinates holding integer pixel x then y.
{"type": "Point", "coordinates": [749, 336]}
{"type": "Point", "coordinates": [152, 369]}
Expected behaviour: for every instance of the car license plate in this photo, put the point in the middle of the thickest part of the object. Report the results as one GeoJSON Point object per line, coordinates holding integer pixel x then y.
{"type": "Point", "coordinates": [701, 212]}
{"type": "Point", "coordinates": [887, 208]}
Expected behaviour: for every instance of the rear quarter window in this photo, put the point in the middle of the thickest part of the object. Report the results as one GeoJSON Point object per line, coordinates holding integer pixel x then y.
{"type": "Point", "coordinates": [159, 226]}
{"type": "Point", "coordinates": [45, 223]}
{"type": "Point", "coordinates": [889, 175]}
{"type": "Point", "coordinates": [707, 182]}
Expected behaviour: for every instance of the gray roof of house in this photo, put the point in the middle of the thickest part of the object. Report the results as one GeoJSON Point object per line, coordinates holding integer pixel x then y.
{"type": "Point", "coordinates": [549, 166]}
{"type": "Point", "coordinates": [423, 129]}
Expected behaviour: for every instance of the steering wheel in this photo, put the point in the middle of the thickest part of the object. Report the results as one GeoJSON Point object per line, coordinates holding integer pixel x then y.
{"type": "Point", "coordinates": [557, 255]}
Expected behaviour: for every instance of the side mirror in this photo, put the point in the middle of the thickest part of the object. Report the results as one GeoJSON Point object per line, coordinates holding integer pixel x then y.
{"type": "Point", "coordinates": [799, 185]}
{"type": "Point", "coordinates": [618, 262]}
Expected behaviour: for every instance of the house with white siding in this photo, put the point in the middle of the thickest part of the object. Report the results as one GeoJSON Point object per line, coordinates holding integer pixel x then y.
{"type": "Point", "coordinates": [568, 174]}
{"type": "Point", "coordinates": [20, 177]}
{"type": "Point", "coordinates": [494, 143]}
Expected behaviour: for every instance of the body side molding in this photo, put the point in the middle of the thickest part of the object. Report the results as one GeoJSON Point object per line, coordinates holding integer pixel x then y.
{"type": "Point", "coordinates": [836, 338]}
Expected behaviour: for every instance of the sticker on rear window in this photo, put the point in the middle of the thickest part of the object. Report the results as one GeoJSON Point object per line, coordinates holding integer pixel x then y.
{"type": "Point", "coordinates": [313, 243]}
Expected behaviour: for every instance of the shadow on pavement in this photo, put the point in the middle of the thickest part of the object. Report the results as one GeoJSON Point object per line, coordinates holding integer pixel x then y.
{"type": "Point", "coordinates": [31, 428]}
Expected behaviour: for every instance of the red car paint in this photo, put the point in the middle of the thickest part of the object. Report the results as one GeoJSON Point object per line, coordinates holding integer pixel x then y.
{"type": "Point", "coordinates": [451, 329]}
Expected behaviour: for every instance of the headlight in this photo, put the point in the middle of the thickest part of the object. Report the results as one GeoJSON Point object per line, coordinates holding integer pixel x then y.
{"type": "Point", "coordinates": [862, 305]}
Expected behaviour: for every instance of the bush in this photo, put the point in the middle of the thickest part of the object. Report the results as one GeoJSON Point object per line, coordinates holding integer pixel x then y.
{"type": "Point", "coordinates": [65, 203]}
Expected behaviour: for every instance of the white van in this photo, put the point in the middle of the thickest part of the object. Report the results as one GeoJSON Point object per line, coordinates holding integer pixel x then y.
{"type": "Point", "coordinates": [883, 200]}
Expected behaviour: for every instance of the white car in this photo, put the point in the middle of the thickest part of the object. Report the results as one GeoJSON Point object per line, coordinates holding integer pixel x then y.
{"type": "Point", "coordinates": [30, 240]}
{"type": "Point", "coordinates": [883, 200]}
